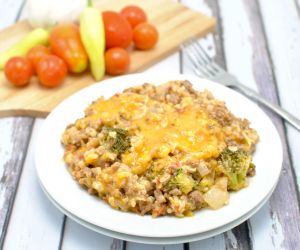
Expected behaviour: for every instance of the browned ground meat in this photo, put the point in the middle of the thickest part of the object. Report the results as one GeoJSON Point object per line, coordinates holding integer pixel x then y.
{"type": "Point", "coordinates": [155, 149]}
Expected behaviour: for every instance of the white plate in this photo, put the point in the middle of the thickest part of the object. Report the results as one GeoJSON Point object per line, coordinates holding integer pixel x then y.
{"type": "Point", "coordinates": [158, 240]}
{"type": "Point", "coordinates": [57, 181]}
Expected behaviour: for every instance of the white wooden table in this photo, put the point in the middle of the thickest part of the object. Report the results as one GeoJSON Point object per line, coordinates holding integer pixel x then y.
{"type": "Point", "coordinates": [259, 42]}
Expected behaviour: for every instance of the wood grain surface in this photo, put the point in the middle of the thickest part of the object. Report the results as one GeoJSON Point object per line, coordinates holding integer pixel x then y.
{"type": "Point", "coordinates": [258, 42]}
{"type": "Point", "coordinates": [175, 23]}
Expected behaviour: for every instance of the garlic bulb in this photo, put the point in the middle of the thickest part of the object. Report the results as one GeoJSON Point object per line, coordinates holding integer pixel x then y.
{"type": "Point", "coordinates": [45, 13]}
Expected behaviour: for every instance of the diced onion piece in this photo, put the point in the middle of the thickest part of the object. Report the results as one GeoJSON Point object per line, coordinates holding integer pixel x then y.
{"type": "Point", "coordinates": [216, 197]}
{"type": "Point", "coordinates": [203, 169]}
{"type": "Point", "coordinates": [222, 183]}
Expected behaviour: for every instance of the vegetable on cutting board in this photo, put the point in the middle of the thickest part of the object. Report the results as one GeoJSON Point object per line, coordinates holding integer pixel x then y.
{"type": "Point", "coordinates": [51, 71]}
{"type": "Point", "coordinates": [93, 38]}
{"type": "Point", "coordinates": [117, 61]}
{"type": "Point", "coordinates": [36, 53]}
{"type": "Point", "coordinates": [145, 36]}
{"type": "Point", "coordinates": [101, 40]}
{"type": "Point", "coordinates": [66, 43]}
{"type": "Point", "coordinates": [134, 15]}
{"type": "Point", "coordinates": [18, 70]}
{"type": "Point", "coordinates": [46, 14]}
{"type": "Point", "coordinates": [35, 37]}
{"type": "Point", "coordinates": [118, 32]}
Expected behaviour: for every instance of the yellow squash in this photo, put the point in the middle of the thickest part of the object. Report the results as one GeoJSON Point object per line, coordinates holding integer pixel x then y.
{"type": "Point", "coordinates": [38, 36]}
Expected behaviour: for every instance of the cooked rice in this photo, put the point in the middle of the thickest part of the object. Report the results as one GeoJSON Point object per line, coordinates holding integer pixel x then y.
{"type": "Point", "coordinates": [169, 162]}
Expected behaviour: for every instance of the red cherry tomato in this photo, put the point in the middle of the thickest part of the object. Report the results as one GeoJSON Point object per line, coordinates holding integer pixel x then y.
{"type": "Point", "coordinates": [145, 36]}
{"type": "Point", "coordinates": [117, 61]}
{"type": "Point", "coordinates": [134, 15]}
{"type": "Point", "coordinates": [118, 32]}
{"type": "Point", "coordinates": [18, 70]}
{"type": "Point", "coordinates": [36, 53]}
{"type": "Point", "coordinates": [51, 71]}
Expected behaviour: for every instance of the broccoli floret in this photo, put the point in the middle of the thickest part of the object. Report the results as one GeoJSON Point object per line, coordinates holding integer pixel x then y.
{"type": "Point", "coordinates": [182, 181]}
{"type": "Point", "coordinates": [116, 140]}
{"type": "Point", "coordinates": [235, 163]}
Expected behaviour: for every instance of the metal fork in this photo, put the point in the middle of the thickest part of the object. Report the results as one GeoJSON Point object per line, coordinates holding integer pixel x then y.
{"type": "Point", "coordinates": [204, 66]}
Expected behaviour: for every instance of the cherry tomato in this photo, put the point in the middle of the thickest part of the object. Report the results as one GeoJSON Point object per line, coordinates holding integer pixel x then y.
{"type": "Point", "coordinates": [134, 15]}
{"type": "Point", "coordinates": [118, 32]}
{"type": "Point", "coordinates": [51, 71]}
{"type": "Point", "coordinates": [36, 53]}
{"type": "Point", "coordinates": [145, 36]}
{"type": "Point", "coordinates": [18, 70]}
{"type": "Point", "coordinates": [116, 61]}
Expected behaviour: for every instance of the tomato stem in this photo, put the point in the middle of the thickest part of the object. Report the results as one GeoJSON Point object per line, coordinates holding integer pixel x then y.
{"type": "Point", "coordinates": [90, 3]}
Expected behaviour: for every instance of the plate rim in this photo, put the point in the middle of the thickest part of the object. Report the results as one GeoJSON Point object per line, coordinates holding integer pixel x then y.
{"type": "Point", "coordinates": [146, 75]}
{"type": "Point", "coordinates": [165, 240]}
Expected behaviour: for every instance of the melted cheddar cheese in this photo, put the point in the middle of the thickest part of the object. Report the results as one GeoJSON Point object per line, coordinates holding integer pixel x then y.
{"type": "Point", "coordinates": [160, 129]}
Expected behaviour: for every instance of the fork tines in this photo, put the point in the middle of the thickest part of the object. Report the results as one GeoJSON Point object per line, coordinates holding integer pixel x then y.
{"type": "Point", "coordinates": [202, 63]}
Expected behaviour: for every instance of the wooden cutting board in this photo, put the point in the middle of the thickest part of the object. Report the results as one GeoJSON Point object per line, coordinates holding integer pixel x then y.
{"type": "Point", "coordinates": [175, 22]}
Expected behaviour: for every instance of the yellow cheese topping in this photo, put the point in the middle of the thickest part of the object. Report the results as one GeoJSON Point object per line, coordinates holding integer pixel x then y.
{"type": "Point", "coordinates": [161, 128]}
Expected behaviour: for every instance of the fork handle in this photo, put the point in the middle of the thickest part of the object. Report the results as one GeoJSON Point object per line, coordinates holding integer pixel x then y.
{"type": "Point", "coordinates": [277, 109]}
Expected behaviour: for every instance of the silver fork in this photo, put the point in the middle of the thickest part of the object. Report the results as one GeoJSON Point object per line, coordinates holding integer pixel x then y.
{"type": "Point", "coordinates": [204, 66]}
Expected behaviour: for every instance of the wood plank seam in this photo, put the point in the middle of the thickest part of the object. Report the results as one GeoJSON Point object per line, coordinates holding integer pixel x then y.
{"type": "Point", "coordinates": [20, 10]}
{"type": "Point", "coordinates": [62, 232]}
{"type": "Point", "coordinates": [220, 56]}
{"type": "Point", "coordinates": [116, 244]}
{"type": "Point", "coordinates": [186, 246]}
{"type": "Point", "coordinates": [297, 7]}
{"type": "Point", "coordinates": [124, 247]}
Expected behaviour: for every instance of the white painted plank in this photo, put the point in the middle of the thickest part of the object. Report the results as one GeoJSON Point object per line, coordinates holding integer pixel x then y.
{"type": "Point", "coordinates": [5, 145]}
{"type": "Point", "coordinates": [78, 237]}
{"type": "Point", "coordinates": [282, 27]}
{"type": "Point", "coordinates": [24, 14]}
{"type": "Point", "coordinates": [267, 234]}
{"type": "Point", "coordinates": [283, 32]}
{"type": "Point", "coordinates": [213, 243]}
{"type": "Point", "coordinates": [208, 41]}
{"type": "Point", "coordinates": [271, 222]}
{"type": "Point", "coordinates": [136, 246]}
{"type": "Point", "coordinates": [237, 35]}
{"type": "Point", "coordinates": [9, 11]}
{"type": "Point", "coordinates": [35, 223]}
{"type": "Point", "coordinates": [165, 66]}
